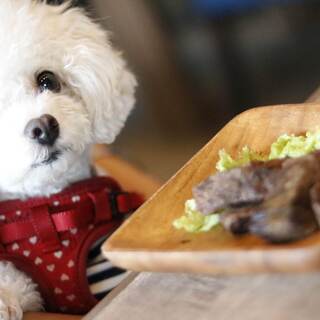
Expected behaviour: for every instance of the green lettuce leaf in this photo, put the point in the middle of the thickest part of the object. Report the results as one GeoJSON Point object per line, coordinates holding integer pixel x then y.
{"type": "Point", "coordinates": [226, 162]}
{"type": "Point", "coordinates": [295, 146]}
{"type": "Point", "coordinates": [194, 221]}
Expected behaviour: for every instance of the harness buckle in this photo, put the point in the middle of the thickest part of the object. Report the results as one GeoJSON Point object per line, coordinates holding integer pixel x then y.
{"type": "Point", "coordinates": [114, 205]}
{"type": "Point", "coordinates": [113, 198]}
{"type": "Point", "coordinates": [123, 203]}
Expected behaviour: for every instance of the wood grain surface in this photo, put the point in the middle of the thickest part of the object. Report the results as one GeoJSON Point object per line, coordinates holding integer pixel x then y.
{"type": "Point", "coordinates": [158, 296]}
{"type": "Point", "coordinates": [147, 241]}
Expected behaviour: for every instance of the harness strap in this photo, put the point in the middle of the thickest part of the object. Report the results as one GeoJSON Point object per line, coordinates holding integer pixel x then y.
{"type": "Point", "coordinates": [126, 201]}
{"type": "Point", "coordinates": [103, 209]}
{"type": "Point", "coordinates": [96, 208]}
{"type": "Point", "coordinates": [44, 228]}
{"type": "Point", "coordinates": [62, 221]}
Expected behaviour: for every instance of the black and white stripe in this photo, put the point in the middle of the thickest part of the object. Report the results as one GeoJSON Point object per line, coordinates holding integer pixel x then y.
{"type": "Point", "coordinates": [102, 275]}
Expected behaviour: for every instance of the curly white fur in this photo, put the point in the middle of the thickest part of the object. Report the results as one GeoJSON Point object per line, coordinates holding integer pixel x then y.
{"type": "Point", "coordinates": [96, 98]}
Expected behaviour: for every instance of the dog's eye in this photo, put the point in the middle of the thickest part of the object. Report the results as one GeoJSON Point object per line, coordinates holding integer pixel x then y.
{"type": "Point", "coordinates": [47, 80]}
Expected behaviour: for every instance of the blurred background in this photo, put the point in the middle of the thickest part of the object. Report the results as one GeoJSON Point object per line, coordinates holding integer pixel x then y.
{"type": "Point", "coordinates": [200, 62]}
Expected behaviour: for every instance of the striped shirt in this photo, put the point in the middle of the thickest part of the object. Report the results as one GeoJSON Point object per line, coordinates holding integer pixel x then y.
{"type": "Point", "coordinates": [102, 275]}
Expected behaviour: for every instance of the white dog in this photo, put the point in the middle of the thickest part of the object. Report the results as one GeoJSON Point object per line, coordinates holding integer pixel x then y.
{"type": "Point", "coordinates": [62, 88]}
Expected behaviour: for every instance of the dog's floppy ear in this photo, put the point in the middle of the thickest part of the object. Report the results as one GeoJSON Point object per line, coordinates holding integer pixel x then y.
{"type": "Point", "coordinates": [108, 90]}
{"type": "Point", "coordinates": [100, 76]}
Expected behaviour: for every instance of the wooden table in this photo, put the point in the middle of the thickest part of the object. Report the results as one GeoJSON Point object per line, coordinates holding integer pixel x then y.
{"type": "Point", "coordinates": [153, 296]}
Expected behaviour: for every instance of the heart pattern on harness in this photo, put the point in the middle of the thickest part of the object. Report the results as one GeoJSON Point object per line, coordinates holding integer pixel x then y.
{"type": "Point", "coordinates": [33, 240]}
{"type": "Point", "coordinates": [58, 291]}
{"type": "Point", "coordinates": [38, 261]}
{"type": "Point", "coordinates": [66, 243]}
{"type": "Point", "coordinates": [58, 254]}
{"type": "Point", "coordinates": [50, 267]}
{"type": "Point", "coordinates": [15, 246]}
{"type": "Point", "coordinates": [71, 297]}
{"type": "Point", "coordinates": [75, 198]}
{"type": "Point", "coordinates": [26, 253]}
{"type": "Point", "coordinates": [70, 264]}
{"type": "Point", "coordinates": [74, 230]}
{"type": "Point", "coordinates": [64, 277]}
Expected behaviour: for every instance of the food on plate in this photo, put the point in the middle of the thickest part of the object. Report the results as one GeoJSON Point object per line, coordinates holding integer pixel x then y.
{"type": "Point", "coordinates": [270, 199]}
{"type": "Point", "coordinates": [285, 146]}
{"type": "Point", "coordinates": [245, 156]}
{"type": "Point", "coordinates": [195, 221]}
{"type": "Point", "coordinates": [246, 185]}
{"type": "Point", "coordinates": [276, 197]}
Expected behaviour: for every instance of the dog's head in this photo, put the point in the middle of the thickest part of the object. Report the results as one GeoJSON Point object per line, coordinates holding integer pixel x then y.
{"type": "Point", "coordinates": [62, 88]}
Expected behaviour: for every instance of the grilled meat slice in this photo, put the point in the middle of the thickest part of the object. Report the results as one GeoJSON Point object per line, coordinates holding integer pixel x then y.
{"type": "Point", "coordinates": [277, 200]}
{"type": "Point", "coordinates": [251, 185]}
{"type": "Point", "coordinates": [286, 216]}
{"type": "Point", "coordinates": [236, 188]}
{"type": "Point", "coordinates": [283, 218]}
{"type": "Point", "coordinates": [315, 200]}
{"type": "Point", "coordinates": [237, 221]}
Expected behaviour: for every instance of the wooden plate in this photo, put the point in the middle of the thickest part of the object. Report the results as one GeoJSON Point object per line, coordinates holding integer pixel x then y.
{"type": "Point", "coordinates": [148, 242]}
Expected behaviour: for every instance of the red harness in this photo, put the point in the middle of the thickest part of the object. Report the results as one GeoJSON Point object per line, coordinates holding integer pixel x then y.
{"type": "Point", "coordinates": [49, 238]}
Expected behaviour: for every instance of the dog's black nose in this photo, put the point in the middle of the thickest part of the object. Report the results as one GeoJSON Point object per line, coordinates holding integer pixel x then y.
{"type": "Point", "coordinates": [45, 130]}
